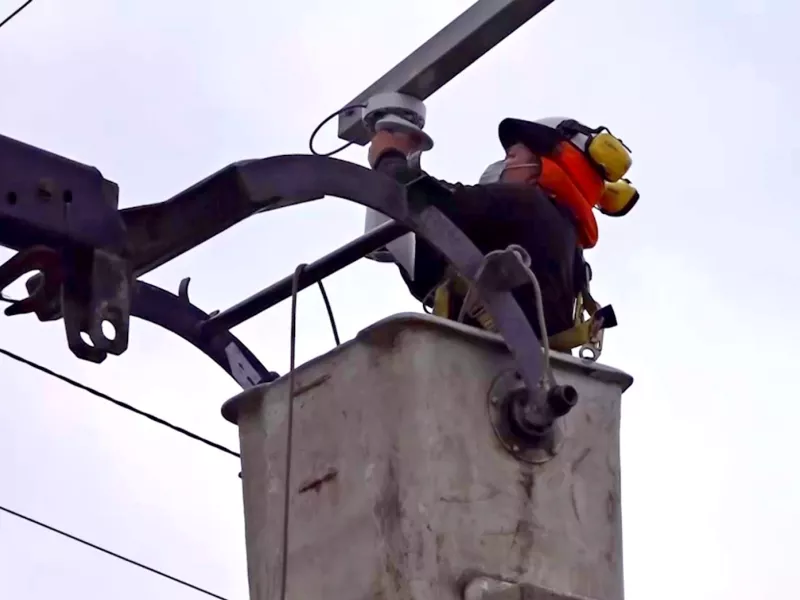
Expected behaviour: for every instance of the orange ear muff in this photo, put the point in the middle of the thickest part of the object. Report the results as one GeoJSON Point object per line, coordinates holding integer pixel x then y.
{"type": "Point", "coordinates": [581, 171]}
{"type": "Point", "coordinates": [555, 180]}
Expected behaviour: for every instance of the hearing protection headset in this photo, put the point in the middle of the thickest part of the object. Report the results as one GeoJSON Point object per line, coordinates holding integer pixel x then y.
{"type": "Point", "coordinates": [611, 158]}
{"type": "Point", "coordinates": [607, 155]}
{"type": "Point", "coordinates": [619, 197]}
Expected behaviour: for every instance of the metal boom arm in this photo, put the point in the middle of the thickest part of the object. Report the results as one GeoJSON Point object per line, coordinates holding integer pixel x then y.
{"type": "Point", "coordinates": [444, 56]}
{"type": "Point", "coordinates": [63, 216]}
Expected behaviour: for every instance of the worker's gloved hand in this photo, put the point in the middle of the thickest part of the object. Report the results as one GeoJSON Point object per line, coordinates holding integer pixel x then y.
{"type": "Point", "coordinates": [384, 141]}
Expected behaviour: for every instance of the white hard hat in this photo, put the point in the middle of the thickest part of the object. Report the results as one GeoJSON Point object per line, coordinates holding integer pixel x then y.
{"type": "Point", "coordinates": [543, 135]}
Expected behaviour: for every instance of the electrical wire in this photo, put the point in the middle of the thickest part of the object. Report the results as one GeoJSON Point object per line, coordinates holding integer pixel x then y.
{"type": "Point", "coordinates": [328, 308]}
{"type": "Point", "coordinates": [109, 552]}
{"type": "Point", "coordinates": [289, 430]}
{"type": "Point", "coordinates": [325, 122]}
{"type": "Point", "coordinates": [290, 414]}
{"type": "Point", "coordinates": [15, 13]}
{"type": "Point", "coordinates": [526, 265]}
{"type": "Point", "coordinates": [118, 403]}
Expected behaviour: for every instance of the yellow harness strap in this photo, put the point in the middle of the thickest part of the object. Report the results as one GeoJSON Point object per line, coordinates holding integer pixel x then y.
{"type": "Point", "coordinates": [585, 331]}
{"type": "Point", "coordinates": [454, 289]}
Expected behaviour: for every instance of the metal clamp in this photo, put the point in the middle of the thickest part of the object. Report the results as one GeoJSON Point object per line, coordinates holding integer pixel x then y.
{"type": "Point", "coordinates": [526, 422]}
{"type": "Point", "coordinates": [37, 258]}
{"type": "Point", "coordinates": [391, 111]}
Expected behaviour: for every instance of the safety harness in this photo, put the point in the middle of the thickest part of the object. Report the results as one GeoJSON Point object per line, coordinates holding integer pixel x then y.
{"type": "Point", "coordinates": [590, 320]}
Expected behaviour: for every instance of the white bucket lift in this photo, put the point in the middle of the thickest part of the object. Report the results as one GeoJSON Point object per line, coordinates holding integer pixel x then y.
{"type": "Point", "coordinates": [402, 489]}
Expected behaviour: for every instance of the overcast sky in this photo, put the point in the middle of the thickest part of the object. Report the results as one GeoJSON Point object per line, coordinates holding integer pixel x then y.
{"type": "Point", "coordinates": [702, 273]}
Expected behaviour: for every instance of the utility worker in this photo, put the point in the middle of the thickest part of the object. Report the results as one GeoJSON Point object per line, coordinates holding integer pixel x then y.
{"type": "Point", "coordinates": [540, 197]}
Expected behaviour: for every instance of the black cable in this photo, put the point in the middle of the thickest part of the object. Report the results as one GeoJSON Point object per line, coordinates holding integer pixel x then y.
{"type": "Point", "coordinates": [289, 430]}
{"type": "Point", "coordinates": [110, 553]}
{"type": "Point", "coordinates": [15, 13]}
{"type": "Point", "coordinates": [325, 122]}
{"type": "Point", "coordinates": [119, 403]}
{"type": "Point", "coordinates": [331, 318]}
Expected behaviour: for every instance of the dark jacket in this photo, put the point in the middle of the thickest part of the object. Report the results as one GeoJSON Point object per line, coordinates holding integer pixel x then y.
{"type": "Point", "coordinates": [494, 216]}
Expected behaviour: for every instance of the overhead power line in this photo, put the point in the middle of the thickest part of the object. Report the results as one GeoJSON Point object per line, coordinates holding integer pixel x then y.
{"type": "Point", "coordinates": [15, 13]}
{"type": "Point", "coordinates": [110, 553]}
{"type": "Point", "coordinates": [118, 403]}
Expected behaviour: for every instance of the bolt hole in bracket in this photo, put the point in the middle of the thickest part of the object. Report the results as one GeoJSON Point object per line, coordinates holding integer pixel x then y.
{"type": "Point", "coordinates": [102, 315]}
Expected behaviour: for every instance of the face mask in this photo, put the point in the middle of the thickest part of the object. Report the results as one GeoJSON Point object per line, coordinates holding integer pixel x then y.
{"type": "Point", "coordinates": [494, 172]}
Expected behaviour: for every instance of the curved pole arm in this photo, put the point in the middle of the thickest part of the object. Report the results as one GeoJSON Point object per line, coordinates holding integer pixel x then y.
{"type": "Point", "coordinates": [102, 250]}
{"type": "Point", "coordinates": [181, 317]}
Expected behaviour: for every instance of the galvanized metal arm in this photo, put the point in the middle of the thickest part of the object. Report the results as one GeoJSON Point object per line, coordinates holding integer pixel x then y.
{"type": "Point", "coordinates": [444, 56]}
{"type": "Point", "coordinates": [177, 314]}
{"type": "Point", "coordinates": [63, 217]}
{"type": "Point", "coordinates": [157, 233]}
